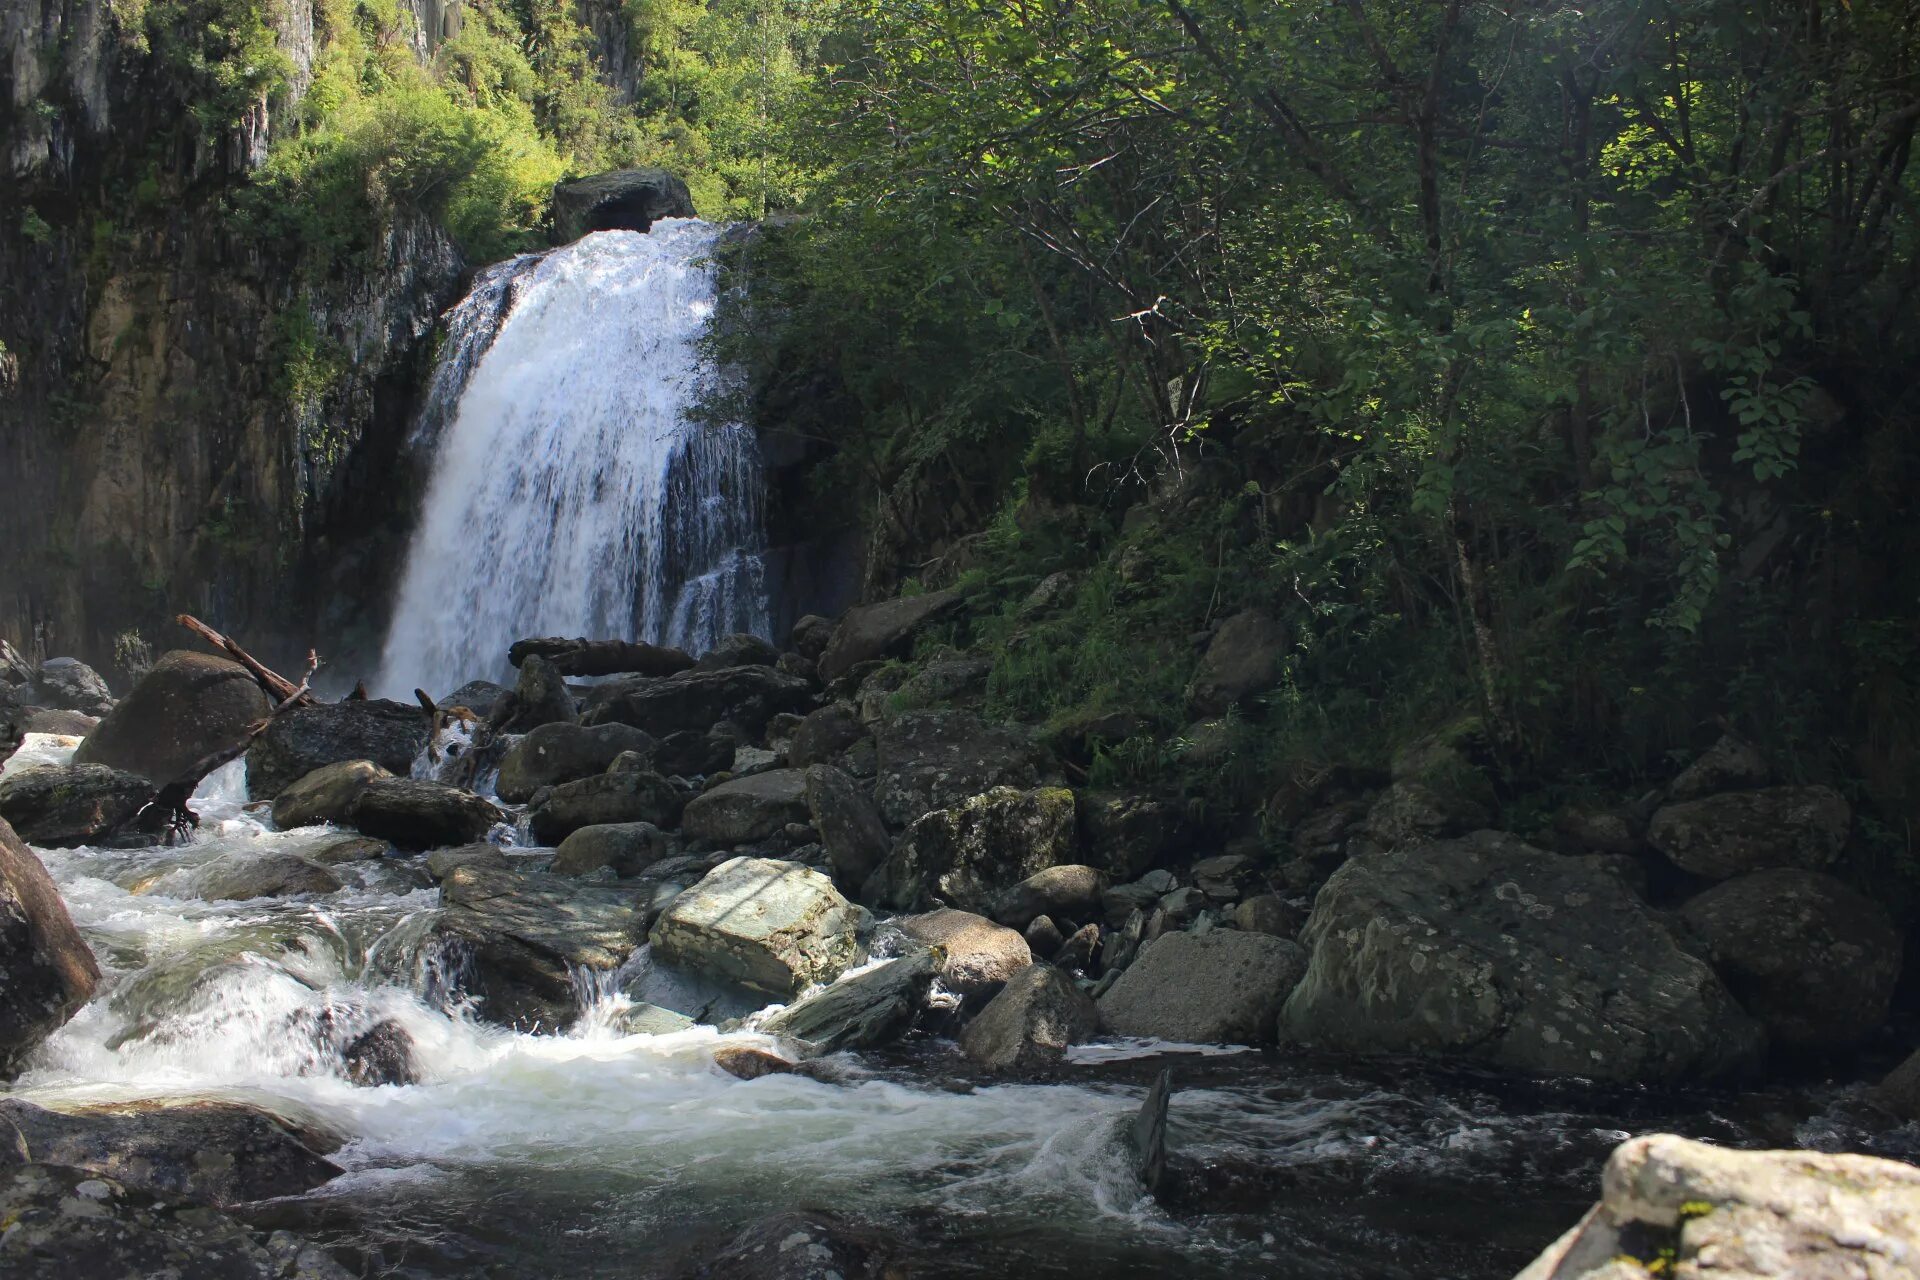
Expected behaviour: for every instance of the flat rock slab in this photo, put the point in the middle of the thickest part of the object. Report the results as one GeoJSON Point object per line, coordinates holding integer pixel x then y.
{"type": "Point", "coordinates": [1218, 987]}
{"type": "Point", "coordinates": [775, 926]}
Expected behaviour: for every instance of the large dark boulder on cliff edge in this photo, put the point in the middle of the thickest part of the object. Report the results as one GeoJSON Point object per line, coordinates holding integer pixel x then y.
{"type": "Point", "coordinates": [47, 971]}
{"type": "Point", "coordinates": [1489, 949]}
{"type": "Point", "coordinates": [188, 707]}
{"type": "Point", "coordinates": [390, 734]}
{"type": "Point", "coordinates": [624, 200]}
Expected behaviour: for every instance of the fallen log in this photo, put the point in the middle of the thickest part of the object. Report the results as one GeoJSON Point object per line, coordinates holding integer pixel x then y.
{"type": "Point", "coordinates": [277, 686]}
{"type": "Point", "coordinates": [581, 657]}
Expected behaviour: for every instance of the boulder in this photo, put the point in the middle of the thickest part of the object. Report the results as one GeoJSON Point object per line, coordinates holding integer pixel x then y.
{"type": "Point", "coordinates": [1077, 953]}
{"type": "Point", "coordinates": [1270, 914]}
{"type": "Point", "coordinates": [1031, 1023]}
{"type": "Point", "coordinates": [325, 795]}
{"type": "Point", "coordinates": [422, 815]}
{"type": "Point", "coordinates": [1693, 1210]}
{"type": "Point", "coordinates": [743, 1062]}
{"type": "Point", "coordinates": [298, 741]}
{"type": "Point", "coordinates": [337, 850]}
{"type": "Point", "coordinates": [187, 708]}
{"type": "Point", "coordinates": [1245, 657]}
{"type": "Point", "coordinates": [1730, 764]}
{"type": "Point", "coordinates": [382, 1054]}
{"type": "Point", "coordinates": [60, 806]}
{"type": "Point", "coordinates": [863, 1011]}
{"type": "Point", "coordinates": [738, 650]}
{"type": "Point", "coordinates": [627, 847]}
{"type": "Point", "coordinates": [540, 696]}
{"type": "Point", "coordinates": [824, 734]}
{"type": "Point", "coordinates": [977, 957]}
{"type": "Point", "coordinates": [870, 631]}
{"type": "Point", "coordinates": [517, 939]}
{"type": "Point", "coordinates": [928, 760]}
{"type": "Point", "coordinates": [477, 696]}
{"type": "Point", "coordinates": [68, 684]}
{"type": "Point", "coordinates": [1129, 835]}
{"type": "Point", "coordinates": [774, 926]}
{"type": "Point", "coordinates": [943, 680]}
{"type": "Point", "coordinates": [605, 799]}
{"type": "Point", "coordinates": [1067, 892]}
{"type": "Point", "coordinates": [746, 810]}
{"type": "Point", "coordinates": [1218, 987]}
{"type": "Point", "coordinates": [442, 863]}
{"type": "Point", "coordinates": [1723, 835]}
{"type": "Point", "coordinates": [564, 752]}
{"type": "Point", "coordinates": [208, 1153]}
{"type": "Point", "coordinates": [47, 971]}
{"type": "Point", "coordinates": [620, 200]}
{"type": "Point", "coordinates": [687, 754]}
{"type": "Point", "coordinates": [698, 700]}
{"type": "Point", "coordinates": [1489, 949]}
{"type": "Point", "coordinates": [800, 1246]}
{"type": "Point", "coordinates": [850, 828]}
{"type": "Point", "coordinates": [1900, 1091]}
{"type": "Point", "coordinates": [651, 1020]}
{"type": "Point", "coordinates": [810, 636]}
{"type": "Point", "coordinates": [1814, 961]}
{"type": "Point", "coordinates": [241, 877]}
{"type": "Point", "coordinates": [961, 857]}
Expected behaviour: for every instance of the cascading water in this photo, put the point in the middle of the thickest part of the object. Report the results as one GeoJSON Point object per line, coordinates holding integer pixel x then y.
{"type": "Point", "coordinates": [573, 490]}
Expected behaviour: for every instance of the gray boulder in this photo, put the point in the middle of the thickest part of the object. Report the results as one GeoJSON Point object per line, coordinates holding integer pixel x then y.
{"type": "Point", "coordinates": [68, 684]}
{"type": "Point", "coordinates": [442, 863]}
{"type": "Point", "coordinates": [800, 1246]}
{"type": "Point", "coordinates": [928, 760]}
{"type": "Point", "coordinates": [604, 799]}
{"type": "Point", "coordinates": [1723, 835]}
{"type": "Point", "coordinates": [61, 806]}
{"type": "Point", "coordinates": [1730, 764]}
{"type": "Point", "coordinates": [540, 696]}
{"type": "Point", "coordinates": [325, 795]}
{"type": "Point", "coordinates": [629, 848]}
{"type": "Point", "coordinates": [1129, 835]}
{"type": "Point", "coordinates": [738, 650]}
{"type": "Point", "coordinates": [1031, 1023]}
{"type": "Point", "coordinates": [977, 957]}
{"type": "Point", "coordinates": [390, 734]}
{"type": "Point", "coordinates": [811, 635]}
{"type": "Point", "coordinates": [1067, 892]}
{"type": "Point", "coordinates": [242, 877]}
{"type": "Point", "coordinates": [422, 815]}
{"type": "Point", "coordinates": [621, 200]}
{"type": "Point", "coordinates": [850, 828]}
{"type": "Point", "coordinates": [698, 700]}
{"type": "Point", "coordinates": [1245, 657]}
{"type": "Point", "coordinates": [870, 631]}
{"type": "Point", "coordinates": [1814, 961]}
{"type": "Point", "coordinates": [47, 971]}
{"type": "Point", "coordinates": [188, 707]}
{"type": "Point", "coordinates": [477, 696]}
{"type": "Point", "coordinates": [822, 735]}
{"type": "Point", "coordinates": [1489, 949]}
{"type": "Point", "coordinates": [746, 810]}
{"type": "Point", "coordinates": [564, 752]}
{"type": "Point", "coordinates": [1743, 1215]}
{"type": "Point", "coordinates": [774, 926]}
{"type": "Point", "coordinates": [861, 1012]}
{"type": "Point", "coordinates": [1218, 987]}
{"type": "Point", "coordinates": [1899, 1092]}
{"type": "Point", "coordinates": [961, 857]}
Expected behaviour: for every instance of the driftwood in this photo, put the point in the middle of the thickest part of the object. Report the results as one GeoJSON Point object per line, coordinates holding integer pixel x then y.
{"type": "Point", "coordinates": [277, 686]}
{"type": "Point", "coordinates": [581, 657]}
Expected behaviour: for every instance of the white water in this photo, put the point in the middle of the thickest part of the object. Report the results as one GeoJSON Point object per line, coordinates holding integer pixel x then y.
{"type": "Point", "coordinates": [572, 493]}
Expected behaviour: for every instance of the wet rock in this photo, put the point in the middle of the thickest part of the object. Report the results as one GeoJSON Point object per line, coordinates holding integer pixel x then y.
{"type": "Point", "coordinates": [1146, 1135]}
{"type": "Point", "coordinates": [382, 1054]}
{"type": "Point", "coordinates": [698, 700]}
{"type": "Point", "coordinates": [67, 684]}
{"type": "Point", "coordinates": [61, 806]}
{"type": "Point", "coordinates": [799, 1246]}
{"type": "Point", "coordinates": [775, 926]}
{"type": "Point", "coordinates": [477, 696]}
{"type": "Point", "coordinates": [1128, 835]}
{"type": "Point", "coordinates": [627, 847]}
{"type": "Point", "coordinates": [930, 760]}
{"type": "Point", "coordinates": [1270, 914]}
{"type": "Point", "coordinates": [65, 724]}
{"type": "Point", "coordinates": [65, 1223]}
{"type": "Point", "coordinates": [811, 635]}
{"type": "Point", "coordinates": [1031, 1023]}
{"type": "Point", "coordinates": [738, 650]}
{"type": "Point", "coordinates": [870, 631]}
{"type": "Point", "coordinates": [540, 696]}
{"type": "Point", "coordinates": [242, 877]}
{"type": "Point", "coordinates": [1814, 961]}
{"type": "Point", "coordinates": [1244, 657]}
{"type": "Point", "coordinates": [1219, 987]}
{"type": "Point", "coordinates": [823, 734]}
{"type": "Point", "coordinates": [422, 815]}
{"type": "Point", "coordinates": [209, 1153]}
{"type": "Point", "coordinates": [564, 752]}
{"type": "Point", "coordinates": [1750, 1215]}
{"type": "Point", "coordinates": [604, 800]}
{"type": "Point", "coordinates": [621, 200]}
{"type": "Point", "coordinates": [1077, 953]}
{"type": "Point", "coordinates": [47, 971]}
{"type": "Point", "coordinates": [516, 939]}
{"type": "Point", "coordinates": [1070, 892]}
{"type": "Point", "coordinates": [743, 1062]}
{"type": "Point", "coordinates": [977, 956]}
{"type": "Point", "coordinates": [441, 863]}
{"type": "Point", "coordinates": [1489, 949]}
{"type": "Point", "coordinates": [959, 857]}
{"type": "Point", "coordinates": [325, 795]}
{"type": "Point", "coordinates": [187, 708]}
{"type": "Point", "coordinates": [334, 851]}
{"type": "Point", "coordinates": [855, 839]}
{"type": "Point", "coordinates": [746, 810]}
{"type": "Point", "coordinates": [1043, 936]}
{"type": "Point", "coordinates": [1730, 764]}
{"type": "Point", "coordinates": [1724, 835]}
{"type": "Point", "coordinates": [651, 1020]}
{"type": "Point", "coordinates": [863, 1011]}
{"type": "Point", "coordinates": [1900, 1091]}
{"type": "Point", "coordinates": [390, 734]}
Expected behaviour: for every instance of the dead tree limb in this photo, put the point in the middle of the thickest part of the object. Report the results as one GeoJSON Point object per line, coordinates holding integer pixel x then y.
{"type": "Point", "coordinates": [276, 685]}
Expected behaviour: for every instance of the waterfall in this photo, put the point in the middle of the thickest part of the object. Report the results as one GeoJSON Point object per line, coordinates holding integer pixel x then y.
{"type": "Point", "coordinates": [572, 492]}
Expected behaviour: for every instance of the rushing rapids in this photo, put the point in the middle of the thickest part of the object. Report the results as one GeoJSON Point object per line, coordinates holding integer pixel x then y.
{"type": "Point", "coordinates": [573, 492]}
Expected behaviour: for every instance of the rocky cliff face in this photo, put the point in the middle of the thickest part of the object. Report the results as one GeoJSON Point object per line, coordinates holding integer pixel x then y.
{"type": "Point", "coordinates": [171, 441]}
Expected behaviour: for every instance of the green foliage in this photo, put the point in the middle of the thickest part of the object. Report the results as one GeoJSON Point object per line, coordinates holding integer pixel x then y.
{"type": "Point", "coordinates": [34, 227]}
